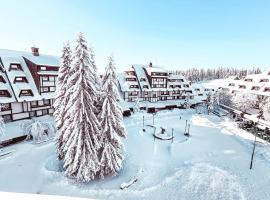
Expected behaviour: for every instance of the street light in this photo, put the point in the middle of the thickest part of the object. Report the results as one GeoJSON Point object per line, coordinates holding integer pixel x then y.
{"type": "Point", "coordinates": [254, 146]}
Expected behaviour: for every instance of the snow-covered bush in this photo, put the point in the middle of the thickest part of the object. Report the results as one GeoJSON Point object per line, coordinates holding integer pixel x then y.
{"type": "Point", "coordinates": [225, 98]}
{"type": "Point", "coordinates": [39, 131]}
{"type": "Point", "coordinates": [266, 109]}
{"type": "Point", "coordinates": [136, 107]}
{"type": "Point", "coordinates": [244, 101]}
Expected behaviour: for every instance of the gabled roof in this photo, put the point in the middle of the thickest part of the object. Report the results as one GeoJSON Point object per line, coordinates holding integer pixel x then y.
{"type": "Point", "coordinates": [42, 59]}
{"type": "Point", "coordinates": [6, 86]}
{"type": "Point", "coordinates": [9, 57]}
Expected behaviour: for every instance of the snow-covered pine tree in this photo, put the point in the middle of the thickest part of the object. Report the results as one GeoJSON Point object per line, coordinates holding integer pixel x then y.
{"type": "Point", "coordinates": [82, 135]}
{"type": "Point", "coordinates": [96, 78]}
{"type": "Point", "coordinates": [62, 97]}
{"type": "Point", "coordinates": [111, 118]}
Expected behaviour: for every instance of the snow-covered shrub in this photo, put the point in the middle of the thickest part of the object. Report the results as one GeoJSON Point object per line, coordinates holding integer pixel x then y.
{"type": "Point", "coordinates": [39, 131]}
{"type": "Point", "coordinates": [244, 101]}
{"type": "Point", "coordinates": [225, 98]}
{"type": "Point", "coordinates": [266, 109]}
{"type": "Point", "coordinates": [136, 107]}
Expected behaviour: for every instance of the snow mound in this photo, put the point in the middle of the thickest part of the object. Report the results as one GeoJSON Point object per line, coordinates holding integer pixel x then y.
{"type": "Point", "coordinates": [198, 182]}
{"type": "Point", "coordinates": [53, 165]}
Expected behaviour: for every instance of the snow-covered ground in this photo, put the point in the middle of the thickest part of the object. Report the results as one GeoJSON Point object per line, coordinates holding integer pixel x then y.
{"type": "Point", "coordinates": [213, 163]}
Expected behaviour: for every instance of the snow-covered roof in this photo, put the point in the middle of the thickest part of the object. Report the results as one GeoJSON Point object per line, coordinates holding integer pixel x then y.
{"type": "Point", "coordinates": [6, 86]}
{"type": "Point", "coordinates": [9, 57]}
{"type": "Point", "coordinates": [142, 78]}
{"type": "Point", "coordinates": [42, 59]}
{"type": "Point", "coordinates": [125, 85]}
{"type": "Point", "coordinates": [155, 69]}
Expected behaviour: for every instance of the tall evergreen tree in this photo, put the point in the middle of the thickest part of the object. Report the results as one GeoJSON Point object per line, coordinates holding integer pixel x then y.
{"type": "Point", "coordinates": [113, 129]}
{"type": "Point", "coordinates": [62, 97]}
{"type": "Point", "coordinates": [82, 135]}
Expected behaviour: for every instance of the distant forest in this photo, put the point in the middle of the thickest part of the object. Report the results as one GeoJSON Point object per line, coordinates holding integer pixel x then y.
{"type": "Point", "coordinates": [196, 75]}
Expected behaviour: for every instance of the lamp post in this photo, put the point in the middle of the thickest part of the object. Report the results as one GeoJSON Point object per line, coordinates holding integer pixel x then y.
{"type": "Point", "coordinates": [143, 124]}
{"type": "Point", "coordinates": [154, 117]}
{"type": "Point", "coordinates": [254, 146]}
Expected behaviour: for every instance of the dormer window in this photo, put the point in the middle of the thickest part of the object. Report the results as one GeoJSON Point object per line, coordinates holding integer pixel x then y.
{"type": "Point", "coordinates": [131, 79]}
{"type": "Point", "coordinates": [26, 93]}
{"type": "Point", "coordinates": [2, 79]}
{"type": "Point", "coordinates": [15, 66]}
{"type": "Point", "coordinates": [267, 89]}
{"type": "Point", "coordinates": [42, 68]}
{"type": "Point", "coordinates": [4, 93]}
{"type": "Point", "coordinates": [248, 80]}
{"type": "Point", "coordinates": [255, 88]}
{"type": "Point", "coordinates": [264, 80]}
{"type": "Point", "coordinates": [242, 87]}
{"type": "Point", "coordinates": [20, 80]}
{"type": "Point", "coordinates": [142, 79]}
{"type": "Point", "coordinates": [134, 86]}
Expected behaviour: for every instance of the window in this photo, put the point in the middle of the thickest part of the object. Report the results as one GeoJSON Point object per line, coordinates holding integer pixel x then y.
{"type": "Point", "coordinates": [45, 89]}
{"type": "Point", "coordinates": [2, 79]}
{"type": "Point", "coordinates": [132, 93]}
{"type": "Point", "coordinates": [248, 80]}
{"type": "Point", "coordinates": [45, 78]}
{"type": "Point", "coordinates": [20, 79]}
{"type": "Point", "coordinates": [44, 112]}
{"type": "Point", "coordinates": [164, 92]}
{"type": "Point", "coordinates": [242, 87]}
{"type": "Point", "coordinates": [34, 104]}
{"type": "Point", "coordinates": [131, 79]}
{"type": "Point", "coordinates": [145, 93]}
{"type": "Point", "coordinates": [255, 88]}
{"type": "Point", "coordinates": [197, 89]}
{"type": "Point", "coordinates": [43, 68]}
{"type": "Point", "coordinates": [134, 86]}
{"type": "Point", "coordinates": [4, 93]}
{"type": "Point", "coordinates": [142, 79]}
{"type": "Point", "coordinates": [5, 106]}
{"type": "Point", "coordinates": [26, 93]}
{"type": "Point", "coordinates": [145, 86]}
{"type": "Point", "coordinates": [15, 67]}
{"type": "Point", "coordinates": [264, 80]}
{"type": "Point", "coordinates": [46, 102]}
{"type": "Point", "coordinates": [52, 89]}
{"type": "Point", "coordinates": [267, 89]}
{"type": "Point", "coordinates": [231, 84]}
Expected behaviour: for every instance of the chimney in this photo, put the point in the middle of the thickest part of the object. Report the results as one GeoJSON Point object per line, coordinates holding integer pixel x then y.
{"type": "Point", "coordinates": [35, 51]}
{"type": "Point", "coordinates": [150, 64]}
